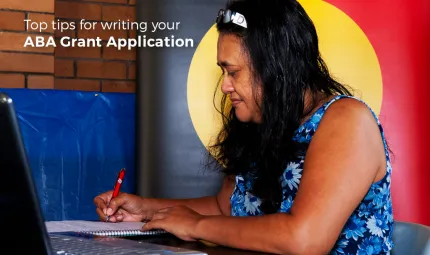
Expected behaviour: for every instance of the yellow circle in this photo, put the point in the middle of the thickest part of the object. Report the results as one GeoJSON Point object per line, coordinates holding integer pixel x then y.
{"type": "Point", "coordinates": [345, 48]}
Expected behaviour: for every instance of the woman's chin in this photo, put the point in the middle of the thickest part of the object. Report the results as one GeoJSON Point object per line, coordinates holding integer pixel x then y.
{"type": "Point", "coordinates": [242, 116]}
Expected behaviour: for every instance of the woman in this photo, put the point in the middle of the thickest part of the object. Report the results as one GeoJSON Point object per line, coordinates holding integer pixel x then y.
{"type": "Point", "coordinates": [304, 160]}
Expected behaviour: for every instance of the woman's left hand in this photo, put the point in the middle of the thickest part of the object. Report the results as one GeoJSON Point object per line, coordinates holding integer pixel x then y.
{"type": "Point", "coordinates": [180, 221]}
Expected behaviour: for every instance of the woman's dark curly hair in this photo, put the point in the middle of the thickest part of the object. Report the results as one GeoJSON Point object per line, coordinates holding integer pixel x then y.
{"type": "Point", "coordinates": [281, 44]}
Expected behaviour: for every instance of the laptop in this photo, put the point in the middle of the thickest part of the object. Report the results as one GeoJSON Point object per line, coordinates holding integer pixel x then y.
{"type": "Point", "coordinates": [21, 218]}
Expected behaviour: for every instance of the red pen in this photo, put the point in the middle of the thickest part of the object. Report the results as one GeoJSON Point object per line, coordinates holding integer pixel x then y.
{"type": "Point", "coordinates": [117, 186]}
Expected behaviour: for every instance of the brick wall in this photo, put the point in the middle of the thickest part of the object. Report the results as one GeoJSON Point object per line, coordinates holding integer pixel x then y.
{"type": "Point", "coordinates": [87, 69]}
{"type": "Point", "coordinates": [24, 67]}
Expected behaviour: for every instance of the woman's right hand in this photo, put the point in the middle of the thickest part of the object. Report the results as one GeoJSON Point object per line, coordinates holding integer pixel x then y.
{"type": "Point", "coordinates": [125, 207]}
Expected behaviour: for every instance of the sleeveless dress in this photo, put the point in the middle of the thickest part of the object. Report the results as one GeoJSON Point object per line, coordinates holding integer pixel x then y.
{"type": "Point", "coordinates": [368, 230]}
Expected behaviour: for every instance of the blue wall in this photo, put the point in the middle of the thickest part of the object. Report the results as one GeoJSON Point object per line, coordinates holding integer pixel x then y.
{"type": "Point", "coordinates": [76, 143]}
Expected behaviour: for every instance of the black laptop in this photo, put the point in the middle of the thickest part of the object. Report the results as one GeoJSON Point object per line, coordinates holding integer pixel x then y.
{"type": "Point", "coordinates": [22, 222]}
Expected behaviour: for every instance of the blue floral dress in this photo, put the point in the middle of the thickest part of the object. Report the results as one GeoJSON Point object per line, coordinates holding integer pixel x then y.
{"type": "Point", "coordinates": [369, 228]}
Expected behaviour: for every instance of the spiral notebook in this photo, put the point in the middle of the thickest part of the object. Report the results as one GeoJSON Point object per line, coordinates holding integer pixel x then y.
{"type": "Point", "coordinates": [100, 228]}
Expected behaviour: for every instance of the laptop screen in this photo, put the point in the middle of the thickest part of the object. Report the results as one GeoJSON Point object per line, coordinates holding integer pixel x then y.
{"type": "Point", "coordinates": [20, 214]}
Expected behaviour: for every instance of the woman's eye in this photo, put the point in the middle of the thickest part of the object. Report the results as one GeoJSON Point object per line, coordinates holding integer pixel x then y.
{"type": "Point", "coordinates": [228, 73]}
{"type": "Point", "coordinates": [232, 73]}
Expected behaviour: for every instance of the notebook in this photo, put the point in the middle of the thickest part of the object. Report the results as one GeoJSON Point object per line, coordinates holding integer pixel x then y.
{"type": "Point", "coordinates": [100, 228]}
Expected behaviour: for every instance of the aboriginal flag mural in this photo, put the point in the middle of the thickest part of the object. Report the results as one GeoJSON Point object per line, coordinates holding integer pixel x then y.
{"type": "Point", "coordinates": [379, 48]}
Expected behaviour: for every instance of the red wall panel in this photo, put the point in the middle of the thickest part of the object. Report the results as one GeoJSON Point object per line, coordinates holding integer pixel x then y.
{"type": "Point", "coordinates": [400, 34]}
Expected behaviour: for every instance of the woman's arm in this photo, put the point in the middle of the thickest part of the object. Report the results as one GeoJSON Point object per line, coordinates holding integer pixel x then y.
{"type": "Point", "coordinates": [345, 157]}
{"type": "Point", "coordinates": [209, 205]}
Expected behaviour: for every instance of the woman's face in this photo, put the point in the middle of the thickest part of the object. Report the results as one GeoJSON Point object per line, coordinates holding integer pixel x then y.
{"type": "Point", "coordinates": [237, 79]}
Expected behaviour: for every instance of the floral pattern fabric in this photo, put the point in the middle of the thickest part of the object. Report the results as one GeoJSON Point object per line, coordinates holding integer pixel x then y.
{"type": "Point", "coordinates": [369, 229]}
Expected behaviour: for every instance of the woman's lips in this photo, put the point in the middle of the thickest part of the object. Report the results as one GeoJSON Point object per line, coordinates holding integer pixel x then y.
{"type": "Point", "coordinates": [235, 102]}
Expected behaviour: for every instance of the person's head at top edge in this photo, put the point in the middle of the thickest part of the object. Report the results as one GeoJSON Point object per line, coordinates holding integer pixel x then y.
{"type": "Point", "coordinates": [271, 49]}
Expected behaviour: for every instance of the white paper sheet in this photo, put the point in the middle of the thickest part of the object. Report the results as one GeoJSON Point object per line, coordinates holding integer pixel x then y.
{"type": "Point", "coordinates": [81, 226]}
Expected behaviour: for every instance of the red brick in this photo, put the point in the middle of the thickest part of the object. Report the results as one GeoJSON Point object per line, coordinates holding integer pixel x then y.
{"type": "Point", "coordinates": [20, 62]}
{"type": "Point", "coordinates": [132, 34]}
{"type": "Point", "coordinates": [77, 84]}
{"type": "Point", "coordinates": [77, 52]}
{"type": "Point", "coordinates": [109, 1]}
{"type": "Point", "coordinates": [28, 5]}
{"type": "Point", "coordinates": [40, 82]}
{"type": "Point", "coordinates": [15, 42]}
{"type": "Point", "coordinates": [119, 86]}
{"type": "Point", "coordinates": [37, 17]}
{"type": "Point", "coordinates": [69, 33]}
{"type": "Point", "coordinates": [122, 54]}
{"type": "Point", "coordinates": [99, 69]}
{"type": "Point", "coordinates": [122, 13]}
{"type": "Point", "coordinates": [132, 71]}
{"type": "Point", "coordinates": [64, 68]}
{"type": "Point", "coordinates": [77, 10]}
{"type": "Point", "coordinates": [12, 21]}
{"type": "Point", "coordinates": [12, 81]}
{"type": "Point", "coordinates": [104, 34]}
{"type": "Point", "coordinates": [133, 2]}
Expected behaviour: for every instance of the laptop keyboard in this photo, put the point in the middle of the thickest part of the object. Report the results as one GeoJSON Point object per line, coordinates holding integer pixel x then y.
{"type": "Point", "coordinates": [76, 246]}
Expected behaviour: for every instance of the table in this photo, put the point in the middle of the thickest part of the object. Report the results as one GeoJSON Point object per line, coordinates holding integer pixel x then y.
{"type": "Point", "coordinates": [171, 240]}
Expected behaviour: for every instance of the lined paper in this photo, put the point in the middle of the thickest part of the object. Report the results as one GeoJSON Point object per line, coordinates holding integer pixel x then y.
{"type": "Point", "coordinates": [88, 226]}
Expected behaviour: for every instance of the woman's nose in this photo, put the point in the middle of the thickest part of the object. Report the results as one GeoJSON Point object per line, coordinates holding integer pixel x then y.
{"type": "Point", "coordinates": [227, 87]}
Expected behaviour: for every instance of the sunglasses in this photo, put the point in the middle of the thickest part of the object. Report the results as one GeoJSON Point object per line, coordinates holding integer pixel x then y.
{"type": "Point", "coordinates": [226, 16]}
